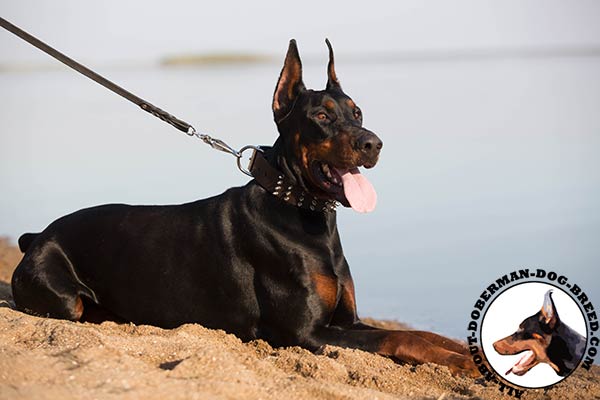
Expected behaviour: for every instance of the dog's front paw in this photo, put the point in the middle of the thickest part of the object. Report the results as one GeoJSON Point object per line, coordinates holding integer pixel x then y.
{"type": "Point", "coordinates": [462, 366]}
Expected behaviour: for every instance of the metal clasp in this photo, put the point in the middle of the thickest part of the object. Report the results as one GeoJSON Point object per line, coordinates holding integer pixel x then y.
{"type": "Point", "coordinates": [240, 155]}
{"type": "Point", "coordinates": [220, 145]}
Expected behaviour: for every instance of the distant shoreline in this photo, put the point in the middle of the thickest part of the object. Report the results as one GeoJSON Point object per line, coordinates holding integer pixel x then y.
{"type": "Point", "coordinates": [391, 57]}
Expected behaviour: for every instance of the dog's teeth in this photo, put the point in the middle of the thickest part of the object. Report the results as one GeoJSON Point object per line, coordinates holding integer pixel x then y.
{"type": "Point", "coordinates": [335, 180]}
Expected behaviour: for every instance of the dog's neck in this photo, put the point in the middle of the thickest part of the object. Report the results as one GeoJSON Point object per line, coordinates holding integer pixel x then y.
{"type": "Point", "coordinates": [565, 349]}
{"type": "Point", "coordinates": [272, 171]}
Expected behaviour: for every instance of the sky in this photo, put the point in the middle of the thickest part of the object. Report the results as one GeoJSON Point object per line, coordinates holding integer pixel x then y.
{"type": "Point", "coordinates": [138, 31]}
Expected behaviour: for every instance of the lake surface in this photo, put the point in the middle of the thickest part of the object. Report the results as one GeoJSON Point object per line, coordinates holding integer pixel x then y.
{"type": "Point", "coordinates": [488, 165]}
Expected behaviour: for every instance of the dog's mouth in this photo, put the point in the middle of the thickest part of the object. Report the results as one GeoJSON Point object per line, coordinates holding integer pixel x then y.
{"type": "Point", "coordinates": [346, 185]}
{"type": "Point", "coordinates": [527, 361]}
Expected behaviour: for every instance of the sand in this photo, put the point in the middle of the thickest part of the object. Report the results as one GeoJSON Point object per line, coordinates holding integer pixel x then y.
{"type": "Point", "coordinates": [43, 358]}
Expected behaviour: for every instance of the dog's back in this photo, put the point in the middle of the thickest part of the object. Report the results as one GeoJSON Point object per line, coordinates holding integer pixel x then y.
{"type": "Point", "coordinates": [113, 255]}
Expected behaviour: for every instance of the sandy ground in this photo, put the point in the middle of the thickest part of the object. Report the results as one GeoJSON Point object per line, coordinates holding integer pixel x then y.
{"type": "Point", "coordinates": [52, 359]}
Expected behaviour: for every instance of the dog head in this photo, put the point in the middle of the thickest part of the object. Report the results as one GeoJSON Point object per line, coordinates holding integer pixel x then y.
{"type": "Point", "coordinates": [322, 140]}
{"type": "Point", "coordinates": [533, 338]}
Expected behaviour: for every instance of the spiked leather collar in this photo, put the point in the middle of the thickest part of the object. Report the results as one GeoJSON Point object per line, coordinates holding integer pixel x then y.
{"type": "Point", "coordinates": [276, 183]}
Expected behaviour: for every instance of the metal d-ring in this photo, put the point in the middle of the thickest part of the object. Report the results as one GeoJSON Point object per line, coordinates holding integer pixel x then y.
{"type": "Point", "coordinates": [240, 154]}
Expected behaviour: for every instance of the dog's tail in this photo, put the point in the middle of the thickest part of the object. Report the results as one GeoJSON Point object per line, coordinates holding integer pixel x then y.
{"type": "Point", "coordinates": [25, 241]}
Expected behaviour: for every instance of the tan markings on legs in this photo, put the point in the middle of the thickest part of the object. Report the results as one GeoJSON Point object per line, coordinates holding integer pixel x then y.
{"type": "Point", "coordinates": [326, 288]}
{"type": "Point", "coordinates": [409, 347]}
{"type": "Point", "coordinates": [444, 342]}
{"type": "Point", "coordinates": [348, 297]}
{"type": "Point", "coordinates": [78, 310]}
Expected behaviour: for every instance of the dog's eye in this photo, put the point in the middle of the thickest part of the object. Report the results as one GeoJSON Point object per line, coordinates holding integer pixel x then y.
{"type": "Point", "coordinates": [322, 116]}
{"type": "Point", "coordinates": [357, 114]}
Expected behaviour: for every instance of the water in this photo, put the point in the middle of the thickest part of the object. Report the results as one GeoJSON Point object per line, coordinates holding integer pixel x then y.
{"type": "Point", "coordinates": [488, 165]}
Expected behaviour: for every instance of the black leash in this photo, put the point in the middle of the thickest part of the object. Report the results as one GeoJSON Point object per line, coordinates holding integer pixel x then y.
{"type": "Point", "coordinates": [143, 104]}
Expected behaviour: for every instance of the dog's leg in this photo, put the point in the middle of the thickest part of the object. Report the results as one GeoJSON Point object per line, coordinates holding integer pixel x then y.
{"type": "Point", "coordinates": [434, 338]}
{"type": "Point", "coordinates": [44, 284]}
{"type": "Point", "coordinates": [345, 316]}
{"type": "Point", "coordinates": [442, 341]}
{"type": "Point", "coordinates": [405, 346]}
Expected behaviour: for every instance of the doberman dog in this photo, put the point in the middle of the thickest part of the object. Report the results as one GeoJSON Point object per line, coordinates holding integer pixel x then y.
{"type": "Point", "coordinates": [259, 261]}
{"type": "Point", "coordinates": [545, 339]}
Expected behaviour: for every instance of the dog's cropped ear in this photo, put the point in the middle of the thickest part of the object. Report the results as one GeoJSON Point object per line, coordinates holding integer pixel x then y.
{"type": "Point", "coordinates": [289, 84]}
{"type": "Point", "coordinates": [548, 314]}
{"type": "Point", "coordinates": [332, 80]}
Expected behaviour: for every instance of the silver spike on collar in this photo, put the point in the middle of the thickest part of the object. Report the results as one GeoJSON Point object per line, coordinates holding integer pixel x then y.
{"type": "Point", "coordinates": [291, 195]}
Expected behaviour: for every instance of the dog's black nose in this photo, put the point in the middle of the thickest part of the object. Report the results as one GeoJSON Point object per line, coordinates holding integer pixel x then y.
{"type": "Point", "coordinates": [370, 144]}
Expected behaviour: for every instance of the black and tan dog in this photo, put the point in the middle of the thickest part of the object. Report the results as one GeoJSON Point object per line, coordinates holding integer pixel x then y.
{"type": "Point", "coordinates": [259, 261]}
{"type": "Point", "coordinates": [543, 338]}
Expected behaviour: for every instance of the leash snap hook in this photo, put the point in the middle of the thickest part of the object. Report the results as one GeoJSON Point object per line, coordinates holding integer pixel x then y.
{"type": "Point", "coordinates": [216, 144]}
{"type": "Point", "coordinates": [240, 155]}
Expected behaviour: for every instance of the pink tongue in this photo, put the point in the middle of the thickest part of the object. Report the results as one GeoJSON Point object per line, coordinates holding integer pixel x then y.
{"type": "Point", "coordinates": [520, 367]}
{"type": "Point", "coordinates": [358, 190]}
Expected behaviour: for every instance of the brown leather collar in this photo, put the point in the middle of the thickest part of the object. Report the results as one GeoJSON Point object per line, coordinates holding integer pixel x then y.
{"type": "Point", "coordinates": [276, 183]}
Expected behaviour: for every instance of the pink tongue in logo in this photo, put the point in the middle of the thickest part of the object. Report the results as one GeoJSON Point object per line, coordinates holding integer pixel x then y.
{"type": "Point", "coordinates": [521, 366]}
{"type": "Point", "coordinates": [358, 190]}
